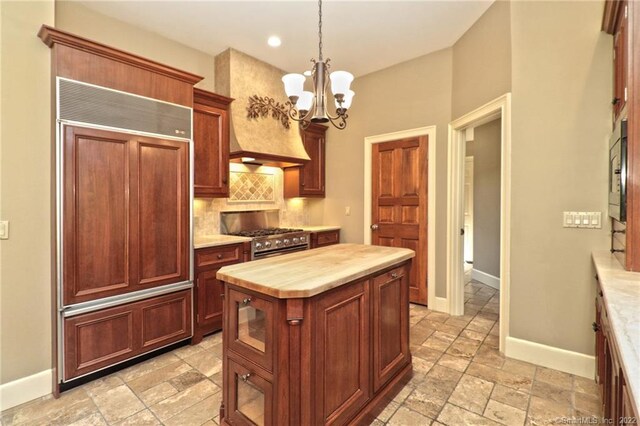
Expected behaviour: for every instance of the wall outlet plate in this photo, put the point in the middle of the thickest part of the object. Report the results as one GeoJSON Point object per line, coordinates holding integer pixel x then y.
{"type": "Point", "coordinates": [4, 230]}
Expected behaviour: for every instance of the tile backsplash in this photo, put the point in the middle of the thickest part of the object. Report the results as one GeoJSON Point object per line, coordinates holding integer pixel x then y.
{"type": "Point", "coordinates": [250, 190]}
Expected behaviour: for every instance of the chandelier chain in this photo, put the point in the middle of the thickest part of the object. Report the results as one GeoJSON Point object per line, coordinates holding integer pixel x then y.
{"type": "Point", "coordinates": [320, 30]}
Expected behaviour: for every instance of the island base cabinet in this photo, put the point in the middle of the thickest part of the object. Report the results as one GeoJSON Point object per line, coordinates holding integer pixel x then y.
{"type": "Point", "coordinates": [336, 358]}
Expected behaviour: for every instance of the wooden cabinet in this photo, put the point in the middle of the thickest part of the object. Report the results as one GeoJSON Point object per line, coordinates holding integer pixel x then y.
{"type": "Point", "coordinates": [98, 339]}
{"type": "Point", "coordinates": [125, 213]}
{"type": "Point", "coordinates": [308, 180]}
{"type": "Point", "coordinates": [211, 144]}
{"type": "Point", "coordinates": [390, 293]}
{"type": "Point", "coordinates": [342, 347]}
{"type": "Point", "coordinates": [620, 60]}
{"type": "Point", "coordinates": [617, 405]}
{"type": "Point", "coordinates": [209, 291]}
{"type": "Point", "coordinates": [324, 238]}
{"type": "Point", "coordinates": [336, 358]}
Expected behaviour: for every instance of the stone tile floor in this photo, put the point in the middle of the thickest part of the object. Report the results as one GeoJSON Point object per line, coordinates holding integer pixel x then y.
{"type": "Point", "coordinates": [460, 378]}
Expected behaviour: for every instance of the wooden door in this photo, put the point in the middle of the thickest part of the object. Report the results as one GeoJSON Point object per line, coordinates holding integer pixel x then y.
{"type": "Point", "coordinates": [211, 151]}
{"type": "Point", "coordinates": [160, 176]}
{"type": "Point", "coordinates": [399, 198]}
{"type": "Point", "coordinates": [342, 349]}
{"type": "Point", "coordinates": [390, 294]}
{"type": "Point", "coordinates": [97, 212]}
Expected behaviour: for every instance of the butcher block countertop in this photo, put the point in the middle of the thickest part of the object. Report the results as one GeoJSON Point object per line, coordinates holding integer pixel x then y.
{"type": "Point", "coordinates": [311, 272]}
{"type": "Point", "coordinates": [213, 240]}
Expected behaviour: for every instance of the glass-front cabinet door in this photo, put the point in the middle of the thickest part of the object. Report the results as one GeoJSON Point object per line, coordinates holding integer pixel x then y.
{"type": "Point", "coordinates": [251, 327]}
{"type": "Point", "coordinates": [250, 396]}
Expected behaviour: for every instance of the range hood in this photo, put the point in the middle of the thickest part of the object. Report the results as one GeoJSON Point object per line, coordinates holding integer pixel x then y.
{"type": "Point", "coordinates": [262, 140]}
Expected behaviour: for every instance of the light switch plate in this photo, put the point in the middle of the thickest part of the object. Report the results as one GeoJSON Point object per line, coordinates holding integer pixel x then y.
{"type": "Point", "coordinates": [591, 220]}
{"type": "Point", "coordinates": [4, 229]}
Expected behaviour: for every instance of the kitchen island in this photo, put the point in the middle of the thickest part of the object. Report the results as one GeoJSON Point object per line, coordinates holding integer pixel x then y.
{"type": "Point", "coordinates": [315, 337]}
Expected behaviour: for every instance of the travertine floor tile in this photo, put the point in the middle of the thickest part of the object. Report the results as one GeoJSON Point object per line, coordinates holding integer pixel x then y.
{"type": "Point", "coordinates": [157, 393]}
{"type": "Point", "coordinates": [454, 362]}
{"type": "Point", "coordinates": [554, 377]}
{"type": "Point", "coordinates": [543, 411]}
{"type": "Point", "coordinates": [388, 411]}
{"type": "Point", "coordinates": [50, 408]}
{"type": "Point", "coordinates": [588, 386]}
{"type": "Point", "coordinates": [197, 413]}
{"type": "Point", "coordinates": [143, 418]}
{"type": "Point", "coordinates": [552, 392]}
{"type": "Point", "coordinates": [463, 347]}
{"type": "Point", "coordinates": [505, 414]}
{"type": "Point", "coordinates": [426, 402]}
{"type": "Point", "coordinates": [456, 416]}
{"type": "Point", "coordinates": [187, 379]}
{"type": "Point", "coordinates": [148, 366]}
{"type": "Point", "coordinates": [471, 393]}
{"type": "Point", "coordinates": [489, 356]}
{"type": "Point", "coordinates": [510, 397]}
{"type": "Point", "coordinates": [118, 403]}
{"type": "Point", "coordinates": [405, 416]}
{"type": "Point", "coordinates": [173, 405]}
{"type": "Point", "coordinates": [157, 376]}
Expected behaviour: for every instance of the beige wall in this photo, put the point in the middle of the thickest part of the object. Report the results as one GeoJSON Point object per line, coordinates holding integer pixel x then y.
{"type": "Point", "coordinates": [482, 61]}
{"type": "Point", "coordinates": [561, 118]}
{"type": "Point", "coordinates": [486, 198]}
{"type": "Point", "coordinates": [25, 155]}
{"type": "Point", "coordinates": [77, 19]}
{"type": "Point", "coordinates": [412, 94]}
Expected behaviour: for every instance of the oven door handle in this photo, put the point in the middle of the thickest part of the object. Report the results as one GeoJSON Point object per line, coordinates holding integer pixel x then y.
{"type": "Point", "coordinates": [279, 252]}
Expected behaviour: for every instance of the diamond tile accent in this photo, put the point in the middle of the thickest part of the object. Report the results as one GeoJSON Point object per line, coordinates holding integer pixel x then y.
{"type": "Point", "coordinates": [251, 187]}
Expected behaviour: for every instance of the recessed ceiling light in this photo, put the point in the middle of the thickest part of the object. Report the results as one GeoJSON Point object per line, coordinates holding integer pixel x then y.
{"type": "Point", "coordinates": [274, 41]}
{"type": "Point", "coordinates": [307, 73]}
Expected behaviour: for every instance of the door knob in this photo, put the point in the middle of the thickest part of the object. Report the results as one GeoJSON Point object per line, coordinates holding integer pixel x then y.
{"type": "Point", "coordinates": [375, 227]}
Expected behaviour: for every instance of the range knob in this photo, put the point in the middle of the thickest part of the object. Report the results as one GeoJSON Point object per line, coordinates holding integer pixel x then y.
{"type": "Point", "coordinates": [287, 241]}
{"type": "Point", "coordinates": [258, 246]}
{"type": "Point", "coordinates": [278, 243]}
{"type": "Point", "coordinates": [267, 244]}
{"type": "Point", "coordinates": [303, 239]}
{"type": "Point", "coordinates": [296, 240]}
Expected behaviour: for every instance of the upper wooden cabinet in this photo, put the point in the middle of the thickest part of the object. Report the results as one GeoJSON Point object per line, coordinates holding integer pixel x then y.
{"type": "Point", "coordinates": [211, 144]}
{"type": "Point", "coordinates": [308, 180]}
{"type": "Point", "coordinates": [621, 60]}
{"type": "Point", "coordinates": [126, 213]}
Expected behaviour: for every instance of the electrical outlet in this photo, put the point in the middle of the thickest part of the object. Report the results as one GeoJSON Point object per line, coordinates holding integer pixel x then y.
{"type": "Point", "coordinates": [4, 230]}
{"type": "Point", "coordinates": [582, 220]}
{"type": "Point", "coordinates": [347, 211]}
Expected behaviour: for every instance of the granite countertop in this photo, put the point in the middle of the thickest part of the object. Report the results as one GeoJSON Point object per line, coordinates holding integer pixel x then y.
{"type": "Point", "coordinates": [213, 240]}
{"type": "Point", "coordinates": [320, 228]}
{"type": "Point", "coordinates": [308, 273]}
{"type": "Point", "coordinates": [621, 293]}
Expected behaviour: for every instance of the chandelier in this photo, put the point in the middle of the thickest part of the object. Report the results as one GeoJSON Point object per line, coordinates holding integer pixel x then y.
{"type": "Point", "coordinates": [311, 107]}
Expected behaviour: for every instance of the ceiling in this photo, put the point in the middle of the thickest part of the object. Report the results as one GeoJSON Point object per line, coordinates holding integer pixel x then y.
{"type": "Point", "coordinates": [359, 36]}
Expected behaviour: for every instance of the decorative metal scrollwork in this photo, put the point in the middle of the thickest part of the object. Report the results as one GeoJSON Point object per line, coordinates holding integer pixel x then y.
{"type": "Point", "coordinates": [262, 106]}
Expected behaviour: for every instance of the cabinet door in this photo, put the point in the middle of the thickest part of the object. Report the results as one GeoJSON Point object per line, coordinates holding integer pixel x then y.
{"type": "Point", "coordinates": [161, 228]}
{"type": "Point", "coordinates": [627, 415]}
{"type": "Point", "coordinates": [249, 396]}
{"type": "Point", "coordinates": [312, 179]}
{"type": "Point", "coordinates": [620, 61]}
{"type": "Point", "coordinates": [211, 151]}
{"type": "Point", "coordinates": [327, 238]}
{"type": "Point", "coordinates": [341, 350]}
{"type": "Point", "coordinates": [209, 303]}
{"type": "Point", "coordinates": [97, 210]}
{"type": "Point", "coordinates": [390, 293]}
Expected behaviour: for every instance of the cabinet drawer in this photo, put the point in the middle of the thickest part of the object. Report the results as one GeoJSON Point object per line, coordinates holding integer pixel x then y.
{"type": "Point", "coordinates": [249, 395]}
{"type": "Point", "coordinates": [214, 257]}
{"type": "Point", "coordinates": [391, 275]}
{"type": "Point", "coordinates": [327, 238]}
{"type": "Point", "coordinates": [251, 327]}
{"type": "Point", "coordinates": [99, 339]}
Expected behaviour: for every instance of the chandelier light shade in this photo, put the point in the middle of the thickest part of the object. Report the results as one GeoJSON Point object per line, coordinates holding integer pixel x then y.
{"type": "Point", "coordinates": [311, 107]}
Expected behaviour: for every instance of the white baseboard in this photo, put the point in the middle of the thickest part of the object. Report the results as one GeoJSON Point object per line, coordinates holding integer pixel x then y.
{"type": "Point", "coordinates": [25, 389]}
{"type": "Point", "coordinates": [440, 304]}
{"type": "Point", "coordinates": [551, 357]}
{"type": "Point", "coordinates": [485, 278]}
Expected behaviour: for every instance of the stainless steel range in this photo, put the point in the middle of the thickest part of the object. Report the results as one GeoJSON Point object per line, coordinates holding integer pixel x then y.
{"type": "Point", "coordinates": [263, 226]}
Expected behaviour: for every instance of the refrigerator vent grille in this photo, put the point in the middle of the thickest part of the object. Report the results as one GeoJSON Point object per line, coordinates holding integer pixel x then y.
{"type": "Point", "coordinates": [90, 104]}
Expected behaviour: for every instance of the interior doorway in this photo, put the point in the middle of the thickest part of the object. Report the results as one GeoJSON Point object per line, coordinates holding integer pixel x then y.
{"type": "Point", "coordinates": [399, 201]}
{"type": "Point", "coordinates": [499, 108]}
